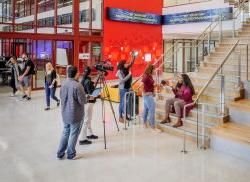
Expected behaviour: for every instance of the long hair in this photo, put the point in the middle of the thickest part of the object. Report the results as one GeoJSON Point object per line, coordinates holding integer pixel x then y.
{"type": "Point", "coordinates": [86, 73]}
{"type": "Point", "coordinates": [149, 69]}
{"type": "Point", "coordinates": [121, 65]}
{"type": "Point", "coordinates": [187, 82]}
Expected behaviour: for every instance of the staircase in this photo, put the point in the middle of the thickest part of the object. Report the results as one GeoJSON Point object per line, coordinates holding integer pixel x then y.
{"type": "Point", "coordinates": [217, 120]}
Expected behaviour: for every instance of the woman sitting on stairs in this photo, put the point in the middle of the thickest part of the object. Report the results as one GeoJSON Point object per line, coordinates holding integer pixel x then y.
{"type": "Point", "coordinates": [183, 92]}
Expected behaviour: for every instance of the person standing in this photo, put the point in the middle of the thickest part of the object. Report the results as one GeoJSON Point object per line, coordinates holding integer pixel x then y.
{"type": "Point", "coordinates": [72, 107]}
{"type": "Point", "coordinates": [50, 85]}
{"type": "Point", "coordinates": [148, 96]}
{"type": "Point", "coordinates": [25, 78]}
{"type": "Point", "coordinates": [89, 88]}
{"type": "Point", "coordinates": [15, 73]}
{"type": "Point", "coordinates": [125, 80]}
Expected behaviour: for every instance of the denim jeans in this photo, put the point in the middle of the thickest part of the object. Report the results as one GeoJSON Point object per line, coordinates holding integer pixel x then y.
{"type": "Point", "coordinates": [50, 92]}
{"type": "Point", "coordinates": [149, 108]}
{"type": "Point", "coordinates": [68, 140]}
{"type": "Point", "coordinates": [122, 93]}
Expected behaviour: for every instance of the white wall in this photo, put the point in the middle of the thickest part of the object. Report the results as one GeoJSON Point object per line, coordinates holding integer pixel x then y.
{"type": "Point", "coordinates": [192, 29]}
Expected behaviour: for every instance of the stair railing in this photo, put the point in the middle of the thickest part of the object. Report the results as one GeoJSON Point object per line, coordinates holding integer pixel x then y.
{"type": "Point", "coordinates": [203, 105]}
{"type": "Point", "coordinates": [215, 26]}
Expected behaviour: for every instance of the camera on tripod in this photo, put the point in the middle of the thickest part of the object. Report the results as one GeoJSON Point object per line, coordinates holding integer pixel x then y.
{"type": "Point", "coordinates": [104, 66]}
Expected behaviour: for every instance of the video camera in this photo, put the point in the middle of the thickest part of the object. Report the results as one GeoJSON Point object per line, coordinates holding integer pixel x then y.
{"type": "Point", "coordinates": [104, 66]}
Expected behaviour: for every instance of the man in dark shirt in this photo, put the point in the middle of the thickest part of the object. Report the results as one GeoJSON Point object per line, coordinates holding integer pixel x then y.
{"type": "Point", "coordinates": [25, 78]}
{"type": "Point", "coordinates": [72, 106]}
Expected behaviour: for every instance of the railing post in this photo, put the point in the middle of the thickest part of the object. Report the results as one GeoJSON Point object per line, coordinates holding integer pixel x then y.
{"type": "Point", "coordinates": [203, 127]}
{"type": "Point", "coordinates": [196, 56]}
{"type": "Point", "coordinates": [220, 29]}
{"type": "Point", "coordinates": [233, 26]}
{"type": "Point", "coordinates": [247, 63]}
{"type": "Point", "coordinates": [184, 130]}
{"type": "Point", "coordinates": [208, 41]}
{"type": "Point", "coordinates": [222, 94]}
{"type": "Point", "coordinates": [239, 71]}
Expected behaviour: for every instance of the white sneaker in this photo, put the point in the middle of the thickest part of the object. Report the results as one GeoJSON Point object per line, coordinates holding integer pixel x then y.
{"type": "Point", "coordinates": [12, 95]}
{"type": "Point", "coordinates": [78, 156]}
{"type": "Point", "coordinates": [156, 130]}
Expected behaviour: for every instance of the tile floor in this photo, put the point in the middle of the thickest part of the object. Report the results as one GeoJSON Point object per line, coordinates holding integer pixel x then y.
{"type": "Point", "coordinates": [29, 139]}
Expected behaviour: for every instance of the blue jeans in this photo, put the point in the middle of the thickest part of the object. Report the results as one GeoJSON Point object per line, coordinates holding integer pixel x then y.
{"type": "Point", "coordinates": [149, 108]}
{"type": "Point", "coordinates": [69, 139]}
{"type": "Point", "coordinates": [50, 92]}
{"type": "Point", "coordinates": [122, 93]}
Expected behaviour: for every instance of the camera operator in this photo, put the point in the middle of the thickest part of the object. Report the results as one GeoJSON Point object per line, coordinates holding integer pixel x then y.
{"type": "Point", "coordinates": [89, 87]}
{"type": "Point", "coordinates": [125, 81]}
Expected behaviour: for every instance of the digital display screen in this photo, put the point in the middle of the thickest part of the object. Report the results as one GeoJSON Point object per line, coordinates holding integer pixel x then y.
{"type": "Point", "coordinates": [117, 14]}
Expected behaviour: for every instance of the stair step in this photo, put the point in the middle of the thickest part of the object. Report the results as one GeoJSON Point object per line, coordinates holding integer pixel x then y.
{"type": "Point", "coordinates": [190, 135]}
{"type": "Point", "coordinates": [210, 119]}
{"type": "Point", "coordinates": [233, 131]}
{"type": "Point", "coordinates": [243, 105]}
{"type": "Point", "coordinates": [212, 110]}
{"type": "Point", "coordinates": [233, 139]}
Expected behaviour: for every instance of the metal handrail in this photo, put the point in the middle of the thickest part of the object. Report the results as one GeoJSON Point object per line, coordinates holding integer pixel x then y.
{"type": "Point", "coordinates": [201, 92]}
{"type": "Point", "coordinates": [217, 70]}
{"type": "Point", "coordinates": [204, 35]}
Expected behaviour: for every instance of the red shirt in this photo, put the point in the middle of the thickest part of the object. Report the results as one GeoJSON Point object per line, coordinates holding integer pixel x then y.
{"type": "Point", "coordinates": [148, 83]}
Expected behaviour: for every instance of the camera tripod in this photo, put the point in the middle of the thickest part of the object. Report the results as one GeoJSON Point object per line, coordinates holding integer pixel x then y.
{"type": "Point", "coordinates": [103, 84]}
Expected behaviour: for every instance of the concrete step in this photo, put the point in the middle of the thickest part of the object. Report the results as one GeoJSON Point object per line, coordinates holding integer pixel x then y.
{"type": "Point", "coordinates": [227, 66]}
{"type": "Point", "coordinates": [240, 112]}
{"type": "Point", "coordinates": [233, 139]}
{"type": "Point", "coordinates": [211, 119]}
{"type": "Point", "coordinates": [231, 82]}
{"type": "Point", "coordinates": [191, 135]}
{"type": "Point", "coordinates": [190, 124]}
{"type": "Point", "coordinates": [212, 115]}
{"type": "Point", "coordinates": [233, 72]}
{"type": "Point", "coordinates": [210, 91]}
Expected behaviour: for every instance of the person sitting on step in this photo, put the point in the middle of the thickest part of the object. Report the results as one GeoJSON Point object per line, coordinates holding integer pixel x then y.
{"type": "Point", "coordinates": [183, 92]}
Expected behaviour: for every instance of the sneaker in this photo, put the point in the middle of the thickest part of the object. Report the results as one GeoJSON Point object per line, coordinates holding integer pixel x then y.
{"type": "Point", "coordinates": [24, 96]}
{"type": "Point", "coordinates": [61, 157]}
{"type": "Point", "coordinates": [85, 142]}
{"type": "Point", "coordinates": [58, 103]}
{"type": "Point", "coordinates": [77, 156]}
{"type": "Point", "coordinates": [47, 108]}
{"type": "Point", "coordinates": [93, 137]}
{"type": "Point", "coordinates": [12, 95]}
{"type": "Point", "coordinates": [28, 98]}
{"type": "Point", "coordinates": [145, 126]}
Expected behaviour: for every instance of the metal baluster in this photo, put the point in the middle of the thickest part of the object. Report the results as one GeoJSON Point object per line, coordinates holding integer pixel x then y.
{"type": "Point", "coordinates": [203, 127]}
{"type": "Point", "coordinates": [239, 70]}
{"type": "Point", "coordinates": [222, 94]}
{"type": "Point", "coordinates": [220, 29]}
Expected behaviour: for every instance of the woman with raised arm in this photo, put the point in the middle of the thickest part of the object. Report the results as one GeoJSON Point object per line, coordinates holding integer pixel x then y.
{"type": "Point", "coordinates": [125, 80]}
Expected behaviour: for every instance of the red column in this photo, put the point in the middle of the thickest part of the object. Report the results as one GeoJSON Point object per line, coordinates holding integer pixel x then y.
{"type": "Point", "coordinates": [76, 35]}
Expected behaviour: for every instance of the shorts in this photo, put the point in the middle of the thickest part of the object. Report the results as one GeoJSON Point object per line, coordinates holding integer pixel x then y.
{"type": "Point", "coordinates": [26, 81]}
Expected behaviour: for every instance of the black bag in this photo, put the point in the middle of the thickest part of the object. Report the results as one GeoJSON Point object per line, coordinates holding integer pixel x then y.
{"type": "Point", "coordinates": [130, 105]}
